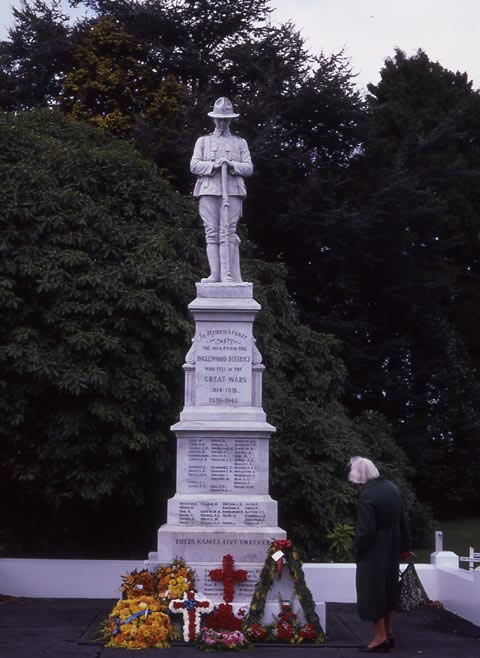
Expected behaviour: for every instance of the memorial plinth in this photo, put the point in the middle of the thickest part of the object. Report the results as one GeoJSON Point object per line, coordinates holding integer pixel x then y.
{"type": "Point", "coordinates": [222, 504]}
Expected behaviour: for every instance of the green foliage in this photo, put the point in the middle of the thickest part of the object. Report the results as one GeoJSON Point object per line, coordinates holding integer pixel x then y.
{"type": "Point", "coordinates": [459, 534]}
{"type": "Point", "coordinates": [419, 217]}
{"type": "Point", "coordinates": [99, 259]}
{"type": "Point", "coordinates": [413, 95]}
{"type": "Point", "coordinates": [341, 542]}
{"type": "Point", "coordinates": [111, 83]}
{"type": "Point", "coordinates": [34, 59]}
{"type": "Point", "coordinates": [303, 384]}
{"type": "Point", "coordinates": [388, 262]}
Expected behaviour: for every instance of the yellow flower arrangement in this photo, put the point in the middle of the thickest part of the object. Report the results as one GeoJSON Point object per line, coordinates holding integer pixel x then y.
{"type": "Point", "coordinates": [164, 583]}
{"type": "Point", "coordinates": [174, 580]}
{"type": "Point", "coordinates": [140, 620]}
{"type": "Point", "coordinates": [139, 623]}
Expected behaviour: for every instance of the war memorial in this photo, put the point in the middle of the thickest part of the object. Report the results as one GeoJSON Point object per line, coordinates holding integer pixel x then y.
{"type": "Point", "coordinates": [222, 503]}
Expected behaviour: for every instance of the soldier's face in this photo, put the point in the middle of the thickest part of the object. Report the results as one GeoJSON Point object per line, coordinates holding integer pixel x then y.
{"type": "Point", "coordinates": [222, 125]}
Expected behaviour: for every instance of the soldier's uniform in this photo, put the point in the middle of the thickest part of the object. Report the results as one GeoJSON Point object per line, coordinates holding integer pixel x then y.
{"type": "Point", "coordinates": [208, 188]}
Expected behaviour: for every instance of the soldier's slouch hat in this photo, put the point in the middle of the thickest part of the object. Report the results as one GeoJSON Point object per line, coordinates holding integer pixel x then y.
{"type": "Point", "coordinates": [223, 109]}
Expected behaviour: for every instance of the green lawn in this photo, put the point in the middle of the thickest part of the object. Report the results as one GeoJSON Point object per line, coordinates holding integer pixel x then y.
{"type": "Point", "coordinates": [458, 535]}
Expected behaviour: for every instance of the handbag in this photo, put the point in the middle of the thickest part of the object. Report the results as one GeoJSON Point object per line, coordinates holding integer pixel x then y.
{"type": "Point", "coordinates": [411, 591]}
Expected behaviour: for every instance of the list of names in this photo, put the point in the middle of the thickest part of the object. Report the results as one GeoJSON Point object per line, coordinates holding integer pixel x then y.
{"type": "Point", "coordinates": [221, 513]}
{"type": "Point", "coordinates": [221, 465]}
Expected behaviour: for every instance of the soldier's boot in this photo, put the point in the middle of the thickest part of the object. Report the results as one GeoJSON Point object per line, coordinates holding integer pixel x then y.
{"type": "Point", "coordinates": [235, 259]}
{"type": "Point", "coordinates": [225, 261]}
{"type": "Point", "coordinates": [214, 263]}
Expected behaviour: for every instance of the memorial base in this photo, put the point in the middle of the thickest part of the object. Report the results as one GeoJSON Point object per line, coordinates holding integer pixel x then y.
{"type": "Point", "coordinates": [222, 503]}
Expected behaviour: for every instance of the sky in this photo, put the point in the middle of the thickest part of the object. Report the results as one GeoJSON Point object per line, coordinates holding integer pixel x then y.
{"type": "Point", "coordinates": [369, 31]}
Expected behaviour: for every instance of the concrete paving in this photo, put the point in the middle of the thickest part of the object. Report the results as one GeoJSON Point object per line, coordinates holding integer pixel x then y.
{"type": "Point", "coordinates": [64, 628]}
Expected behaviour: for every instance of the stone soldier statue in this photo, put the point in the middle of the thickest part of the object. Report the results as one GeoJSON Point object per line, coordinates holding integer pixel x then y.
{"type": "Point", "coordinates": [221, 161]}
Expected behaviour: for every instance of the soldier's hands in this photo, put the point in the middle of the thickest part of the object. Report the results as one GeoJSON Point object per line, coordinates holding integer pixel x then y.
{"type": "Point", "coordinates": [218, 164]}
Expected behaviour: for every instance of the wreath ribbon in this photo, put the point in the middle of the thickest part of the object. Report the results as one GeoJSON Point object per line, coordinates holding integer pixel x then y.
{"type": "Point", "coordinates": [281, 545]}
{"type": "Point", "coordinates": [190, 604]}
{"type": "Point", "coordinates": [119, 624]}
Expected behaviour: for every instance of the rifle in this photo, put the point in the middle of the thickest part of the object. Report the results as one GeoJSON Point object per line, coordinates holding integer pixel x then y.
{"type": "Point", "coordinates": [224, 222]}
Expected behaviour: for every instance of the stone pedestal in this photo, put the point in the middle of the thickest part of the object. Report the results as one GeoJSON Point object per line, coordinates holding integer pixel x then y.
{"type": "Point", "coordinates": [222, 504]}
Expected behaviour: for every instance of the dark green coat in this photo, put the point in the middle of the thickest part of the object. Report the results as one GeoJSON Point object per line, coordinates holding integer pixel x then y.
{"type": "Point", "coordinates": [381, 536]}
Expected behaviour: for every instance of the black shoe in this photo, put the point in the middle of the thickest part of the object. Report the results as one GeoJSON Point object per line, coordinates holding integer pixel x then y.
{"type": "Point", "coordinates": [390, 640]}
{"type": "Point", "coordinates": [383, 647]}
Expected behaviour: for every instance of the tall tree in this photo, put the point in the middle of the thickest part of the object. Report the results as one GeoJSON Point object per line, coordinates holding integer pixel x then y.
{"type": "Point", "coordinates": [34, 59]}
{"type": "Point", "coordinates": [398, 271]}
{"type": "Point", "coordinates": [99, 258]}
{"type": "Point", "coordinates": [112, 85]}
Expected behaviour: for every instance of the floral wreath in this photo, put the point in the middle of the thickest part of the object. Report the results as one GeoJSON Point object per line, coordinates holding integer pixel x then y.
{"type": "Point", "coordinates": [165, 582]}
{"type": "Point", "coordinates": [139, 623]}
{"type": "Point", "coordinates": [278, 551]}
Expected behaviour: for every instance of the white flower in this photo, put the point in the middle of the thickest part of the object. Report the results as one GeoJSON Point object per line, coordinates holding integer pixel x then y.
{"type": "Point", "coordinates": [197, 611]}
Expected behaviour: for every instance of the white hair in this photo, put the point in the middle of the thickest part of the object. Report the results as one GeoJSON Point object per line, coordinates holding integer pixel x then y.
{"type": "Point", "coordinates": [362, 470]}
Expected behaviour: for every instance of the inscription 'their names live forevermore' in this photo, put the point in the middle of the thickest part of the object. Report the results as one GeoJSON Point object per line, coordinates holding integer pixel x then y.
{"type": "Point", "coordinates": [223, 364]}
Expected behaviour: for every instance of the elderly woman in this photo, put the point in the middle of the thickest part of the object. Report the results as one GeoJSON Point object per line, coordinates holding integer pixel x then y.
{"type": "Point", "coordinates": [382, 538]}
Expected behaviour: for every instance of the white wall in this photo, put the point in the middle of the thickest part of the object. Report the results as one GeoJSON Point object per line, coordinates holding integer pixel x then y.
{"type": "Point", "coordinates": [102, 578]}
{"type": "Point", "coordinates": [457, 589]}
{"type": "Point", "coordinates": [70, 579]}
{"type": "Point", "coordinates": [331, 582]}
{"type": "Point", "coordinates": [336, 582]}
